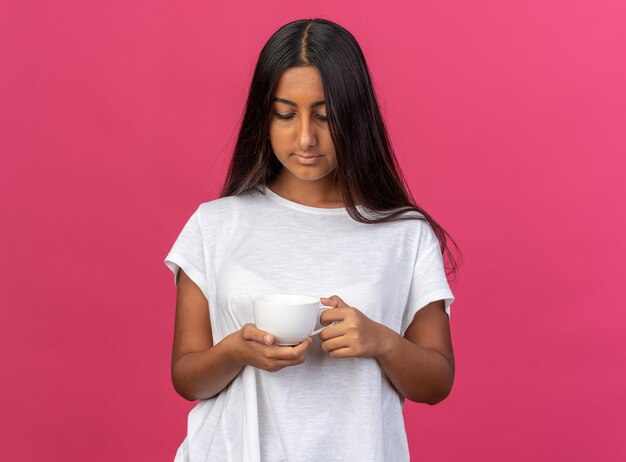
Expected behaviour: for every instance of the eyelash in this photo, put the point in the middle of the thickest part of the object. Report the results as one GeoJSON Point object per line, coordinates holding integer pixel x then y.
{"type": "Point", "coordinates": [290, 116]}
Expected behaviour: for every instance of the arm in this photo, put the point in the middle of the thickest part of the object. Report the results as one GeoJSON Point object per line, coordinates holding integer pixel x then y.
{"type": "Point", "coordinates": [200, 370]}
{"type": "Point", "coordinates": [420, 365]}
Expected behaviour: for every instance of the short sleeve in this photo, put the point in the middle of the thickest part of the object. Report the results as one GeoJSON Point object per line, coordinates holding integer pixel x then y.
{"type": "Point", "coordinates": [188, 253]}
{"type": "Point", "coordinates": [429, 282]}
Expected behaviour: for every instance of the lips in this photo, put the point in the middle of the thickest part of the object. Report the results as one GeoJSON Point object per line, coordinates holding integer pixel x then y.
{"type": "Point", "coordinates": [307, 160]}
{"type": "Point", "coordinates": [305, 156]}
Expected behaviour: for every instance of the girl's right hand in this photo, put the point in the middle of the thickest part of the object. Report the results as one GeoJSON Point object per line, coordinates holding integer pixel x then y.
{"type": "Point", "coordinates": [254, 347]}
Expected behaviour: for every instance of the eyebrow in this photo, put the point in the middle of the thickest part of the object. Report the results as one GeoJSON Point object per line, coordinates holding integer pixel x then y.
{"type": "Point", "coordinates": [291, 103]}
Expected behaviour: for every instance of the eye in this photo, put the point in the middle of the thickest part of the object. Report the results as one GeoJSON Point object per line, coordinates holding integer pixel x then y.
{"type": "Point", "coordinates": [320, 117]}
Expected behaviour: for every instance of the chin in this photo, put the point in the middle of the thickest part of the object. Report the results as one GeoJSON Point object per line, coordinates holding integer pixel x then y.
{"type": "Point", "coordinates": [309, 174]}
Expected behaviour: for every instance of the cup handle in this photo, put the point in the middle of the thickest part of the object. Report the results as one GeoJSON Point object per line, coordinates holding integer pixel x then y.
{"type": "Point", "coordinates": [317, 331]}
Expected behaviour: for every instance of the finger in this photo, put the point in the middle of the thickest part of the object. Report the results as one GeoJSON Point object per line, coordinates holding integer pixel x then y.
{"type": "Point", "coordinates": [294, 353]}
{"type": "Point", "coordinates": [336, 314]}
{"type": "Point", "coordinates": [252, 332]}
{"type": "Point", "coordinates": [288, 351]}
{"type": "Point", "coordinates": [301, 347]}
{"type": "Point", "coordinates": [329, 302]}
{"type": "Point", "coordinates": [334, 301]}
{"type": "Point", "coordinates": [335, 344]}
{"type": "Point", "coordinates": [331, 332]}
{"type": "Point", "coordinates": [342, 353]}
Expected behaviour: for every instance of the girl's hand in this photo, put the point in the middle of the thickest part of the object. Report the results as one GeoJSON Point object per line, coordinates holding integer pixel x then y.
{"type": "Point", "coordinates": [355, 335]}
{"type": "Point", "coordinates": [254, 347]}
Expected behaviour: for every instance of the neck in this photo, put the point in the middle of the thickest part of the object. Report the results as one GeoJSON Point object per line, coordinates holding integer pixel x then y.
{"type": "Point", "coordinates": [314, 193]}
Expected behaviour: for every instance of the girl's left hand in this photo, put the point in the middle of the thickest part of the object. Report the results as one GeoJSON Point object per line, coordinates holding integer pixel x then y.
{"type": "Point", "coordinates": [355, 335]}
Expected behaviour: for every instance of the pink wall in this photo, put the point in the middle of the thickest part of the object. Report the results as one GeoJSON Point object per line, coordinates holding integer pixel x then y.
{"type": "Point", "coordinates": [117, 120]}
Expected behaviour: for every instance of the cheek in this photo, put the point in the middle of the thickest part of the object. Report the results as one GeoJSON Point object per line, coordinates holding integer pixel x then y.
{"type": "Point", "coordinates": [279, 137]}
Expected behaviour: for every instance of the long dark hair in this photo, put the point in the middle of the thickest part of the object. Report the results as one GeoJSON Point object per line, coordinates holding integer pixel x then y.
{"type": "Point", "coordinates": [367, 170]}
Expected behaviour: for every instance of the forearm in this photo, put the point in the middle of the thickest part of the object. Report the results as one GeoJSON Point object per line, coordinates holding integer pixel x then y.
{"type": "Point", "coordinates": [419, 374]}
{"type": "Point", "coordinates": [202, 375]}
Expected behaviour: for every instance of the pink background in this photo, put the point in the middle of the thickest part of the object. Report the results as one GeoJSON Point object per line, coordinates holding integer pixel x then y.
{"type": "Point", "coordinates": [118, 118]}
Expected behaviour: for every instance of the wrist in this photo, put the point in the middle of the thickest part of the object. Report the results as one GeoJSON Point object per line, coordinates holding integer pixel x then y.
{"type": "Point", "coordinates": [232, 350]}
{"type": "Point", "coordinates": [388, 340]}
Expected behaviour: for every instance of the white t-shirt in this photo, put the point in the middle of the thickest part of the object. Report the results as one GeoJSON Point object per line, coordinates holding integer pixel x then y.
{"type": "Point", "coordinates": [328, 409]}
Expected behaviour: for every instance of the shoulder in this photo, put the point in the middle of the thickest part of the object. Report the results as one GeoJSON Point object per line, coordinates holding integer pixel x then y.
{"type": "Point", "coordinates": [226, 209]}
{"type": "Point", "coordinates": [412, 223]}
{"type": "Point", "coordinates": [228, 204]}
{"type": "Point", "coordinates": [416, 223]}
{"type": "Point", "coordinates": [416, 231]}
{"type": "Point", "coordinates": [216, 206]}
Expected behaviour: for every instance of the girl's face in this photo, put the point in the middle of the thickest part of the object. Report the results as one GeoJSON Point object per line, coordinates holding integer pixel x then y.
{"type": "Point", "coordinates": [299, 132]}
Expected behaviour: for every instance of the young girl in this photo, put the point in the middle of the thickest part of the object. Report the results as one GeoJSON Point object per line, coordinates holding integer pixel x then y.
{"type": "Point", "coordinates": [313, 204]}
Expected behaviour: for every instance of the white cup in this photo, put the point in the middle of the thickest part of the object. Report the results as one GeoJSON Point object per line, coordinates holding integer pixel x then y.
{"type": "Point", "coordinates": [289, 318]}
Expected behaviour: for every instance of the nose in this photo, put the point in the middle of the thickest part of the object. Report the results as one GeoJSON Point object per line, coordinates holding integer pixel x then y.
{"type": "Point", "coordinates": [307, 135]}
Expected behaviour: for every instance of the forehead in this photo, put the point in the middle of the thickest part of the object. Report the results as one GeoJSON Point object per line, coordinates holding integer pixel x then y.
{"type": "Point", "coordinates": [300, 84]}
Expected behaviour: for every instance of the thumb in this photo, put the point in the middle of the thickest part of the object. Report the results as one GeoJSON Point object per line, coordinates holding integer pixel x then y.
{"type": "Point", "coordinates": [251, 332]}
